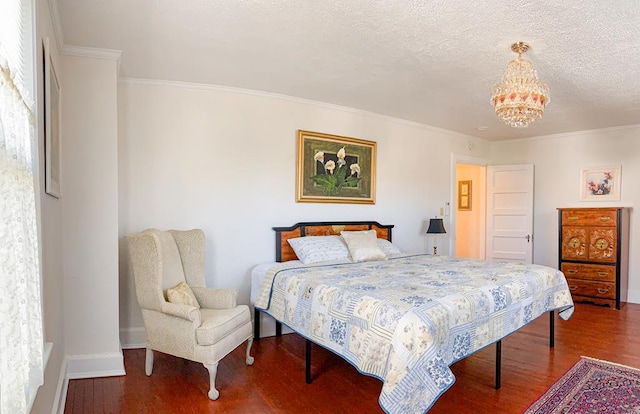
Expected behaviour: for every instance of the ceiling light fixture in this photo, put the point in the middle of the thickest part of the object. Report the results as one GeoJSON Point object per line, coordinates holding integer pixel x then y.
{"type": "Point", "coordinates": [519, 98]}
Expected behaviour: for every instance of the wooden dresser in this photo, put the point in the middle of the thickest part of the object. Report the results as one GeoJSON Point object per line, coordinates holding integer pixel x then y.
{"type": "Point", "coordinates": [594, 253]}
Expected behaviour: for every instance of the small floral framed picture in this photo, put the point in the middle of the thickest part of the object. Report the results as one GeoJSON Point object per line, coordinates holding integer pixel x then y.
{"type": "Point", "coordinates": [335, 169]}
{"type": "Point", "coordinates": [600, 184]}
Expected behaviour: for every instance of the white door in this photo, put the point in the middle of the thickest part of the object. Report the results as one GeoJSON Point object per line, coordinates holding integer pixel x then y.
{"type": "Point", "coordinates": [510, 213]}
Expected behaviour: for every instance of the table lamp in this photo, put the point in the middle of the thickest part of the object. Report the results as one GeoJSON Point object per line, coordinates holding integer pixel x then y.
{"type": "Point", "coordinates": [436, 226]}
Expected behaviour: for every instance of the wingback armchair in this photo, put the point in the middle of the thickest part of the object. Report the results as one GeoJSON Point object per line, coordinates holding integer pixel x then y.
{"type": "Point", "coordinates": [204, 330]}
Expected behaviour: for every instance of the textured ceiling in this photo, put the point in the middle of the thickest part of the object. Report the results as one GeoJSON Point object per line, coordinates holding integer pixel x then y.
{"type": "Point", "coordinates": [431, 62]}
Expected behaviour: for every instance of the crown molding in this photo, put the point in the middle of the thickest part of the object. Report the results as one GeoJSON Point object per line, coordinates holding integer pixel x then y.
{"type": "Point", "coordinates": [57, 25]}
{"type": "Point", "coordinates": [91, 52]}
{"type": "Point", "coordinates": [569, 134]}
{"type": "Point", "coordinates": [252, 92]}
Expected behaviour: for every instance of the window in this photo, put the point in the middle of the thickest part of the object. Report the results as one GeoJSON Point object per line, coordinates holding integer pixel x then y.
{"type": "Point", "coordinates": [21, 337]}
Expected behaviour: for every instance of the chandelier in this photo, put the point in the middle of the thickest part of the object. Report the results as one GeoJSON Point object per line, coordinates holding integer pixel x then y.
{"type": "Point", "coordinates": [519, 98]}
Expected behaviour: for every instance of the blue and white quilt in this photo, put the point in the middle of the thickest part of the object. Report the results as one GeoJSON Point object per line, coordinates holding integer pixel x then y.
{"type": "Point", "coordinates": [406, 319]}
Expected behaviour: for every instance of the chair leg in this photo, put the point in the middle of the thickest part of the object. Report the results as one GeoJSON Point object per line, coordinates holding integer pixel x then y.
{"type": "Point", "coordinates": [213, 370]}
{"type": "Point", "coordinates": [148, 363]}
{"type": "Point", "coordinates": [249, 357]}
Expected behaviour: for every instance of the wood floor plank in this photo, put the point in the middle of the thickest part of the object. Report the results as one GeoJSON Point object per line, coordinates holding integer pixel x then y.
{"type": "Point", "coordinates": [275, 383]}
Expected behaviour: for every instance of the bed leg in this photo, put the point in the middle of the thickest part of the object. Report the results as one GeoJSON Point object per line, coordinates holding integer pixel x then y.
{"type": "Point", "coordinates": [307, 362]}
{"type": "Point", "coordinates": [256, 324]}
{"type": "Point", "coordinates": [498, 363]}
{"type": "Point", "coordinates": [552, 322]}
{"type": "Point", "coordinates": [278, 328]}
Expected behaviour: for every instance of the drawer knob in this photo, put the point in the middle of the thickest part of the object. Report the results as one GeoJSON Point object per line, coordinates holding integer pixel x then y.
{"type": "Point", "coordinates": [572, 288]}
{"type": "Point", "coordinates": [572, 271]}
{"type": "Point", "coordinates": [572, 218]}
{"type": "Point", "coordinates": [603, 290]}
{"type": "Point", "coordinates": [602, 274]}
{"type": "Point", "coordinates": [605, 218]}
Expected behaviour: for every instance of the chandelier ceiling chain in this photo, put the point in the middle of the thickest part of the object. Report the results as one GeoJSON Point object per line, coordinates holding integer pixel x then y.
{"type": "Point", "coordinates": [519, 98]}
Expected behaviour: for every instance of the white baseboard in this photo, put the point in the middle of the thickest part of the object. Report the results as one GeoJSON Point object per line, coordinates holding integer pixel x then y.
{"type": "Point", "coordinates": [85, 366]}
{"type": "Point", "coordinates": [95, 365]}
{"type": "Point", "coordinates": [633, 296]}
{"type": "Point", "coordinates": [133, 338]}
{"type": "Point", "coordinates": [61, 390]}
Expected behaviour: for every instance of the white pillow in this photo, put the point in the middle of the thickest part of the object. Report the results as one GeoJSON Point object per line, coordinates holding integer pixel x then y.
{"type": "Point", "coordinates": [182, 294]}
{"type": "Point", "coordinates": [363, 245]}
{"type": "Point", "coordinates": [313, 249]}
{"type": "Point", "coordinates": [387, 247]}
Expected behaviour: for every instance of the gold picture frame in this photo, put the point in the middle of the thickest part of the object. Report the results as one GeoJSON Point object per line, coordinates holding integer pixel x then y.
{"type": "Point", "coordinates": [335, 169]}
{"type": "Point", "coordinates": [464, 195]}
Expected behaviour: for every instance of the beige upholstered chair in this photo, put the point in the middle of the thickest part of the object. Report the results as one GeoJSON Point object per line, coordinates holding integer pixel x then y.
{"type": "Point", "coordinates": [163, 259]}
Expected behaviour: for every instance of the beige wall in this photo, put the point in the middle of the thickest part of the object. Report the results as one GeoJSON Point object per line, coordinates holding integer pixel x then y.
{"type": "Point", "coordinates": [470, 224]}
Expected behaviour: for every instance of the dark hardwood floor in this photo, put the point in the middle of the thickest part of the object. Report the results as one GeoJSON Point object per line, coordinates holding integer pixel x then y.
{"type": "Point", "coordinates": [275, 383]}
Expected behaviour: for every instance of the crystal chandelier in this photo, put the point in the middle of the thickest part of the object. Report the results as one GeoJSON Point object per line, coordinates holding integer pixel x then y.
{"type": "Point", "coordinates": [519, 98]}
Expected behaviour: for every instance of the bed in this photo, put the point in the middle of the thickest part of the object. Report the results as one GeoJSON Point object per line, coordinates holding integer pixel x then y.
{"type": "Point", "coordinates": [404, 318]}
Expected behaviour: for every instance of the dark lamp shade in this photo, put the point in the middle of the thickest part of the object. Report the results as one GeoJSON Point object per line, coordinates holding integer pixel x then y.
{"type": "Point", "coordinates": [436, 226]}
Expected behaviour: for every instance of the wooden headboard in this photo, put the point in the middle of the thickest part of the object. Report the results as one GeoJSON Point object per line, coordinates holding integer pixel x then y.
{"type": "Point", "coordinates": [284, 252]}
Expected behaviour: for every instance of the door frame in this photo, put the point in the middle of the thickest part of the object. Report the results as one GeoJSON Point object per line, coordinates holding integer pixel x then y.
{"type": "Point", "coordinates": [451, 209]}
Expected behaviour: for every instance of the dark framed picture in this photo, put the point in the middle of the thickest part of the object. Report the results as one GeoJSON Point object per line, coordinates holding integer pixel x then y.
{"type": "Point", "coordinates": [51, 124]}
{"type": "Point", "coordinates": [464, 195]}
{"type": "Point", "coordinates": [335, 169]}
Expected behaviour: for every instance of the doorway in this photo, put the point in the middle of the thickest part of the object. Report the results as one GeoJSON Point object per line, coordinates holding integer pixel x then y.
{"type": "Point", "coordinates": [470, 211]}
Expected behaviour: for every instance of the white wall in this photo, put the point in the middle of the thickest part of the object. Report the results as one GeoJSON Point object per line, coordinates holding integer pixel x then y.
{"type": "Point", "coordinates": [51, 226]}
{"type": "Point", "coordinates": [558, 160]}
{"type": "Point", "coordinates": [224, 160]}
{"type": "Point", "coordinates": [90, 197]}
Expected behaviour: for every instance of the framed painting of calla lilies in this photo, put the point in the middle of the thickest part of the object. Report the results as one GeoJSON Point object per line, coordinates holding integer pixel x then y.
{"type": "Point", "coordinates": [335, 169]}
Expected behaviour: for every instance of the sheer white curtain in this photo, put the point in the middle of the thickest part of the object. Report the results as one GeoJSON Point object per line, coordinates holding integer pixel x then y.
{"type": "Point", "coordinates": [21, 338]}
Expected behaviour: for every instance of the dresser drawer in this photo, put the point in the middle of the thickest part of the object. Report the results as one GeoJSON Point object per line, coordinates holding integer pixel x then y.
{"type": "Point", "coordinates": [589, 272]}
{"type": "Point", "coordinates": [605, 290]}
{"type": "Point", "coordinates": [587, 217]}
